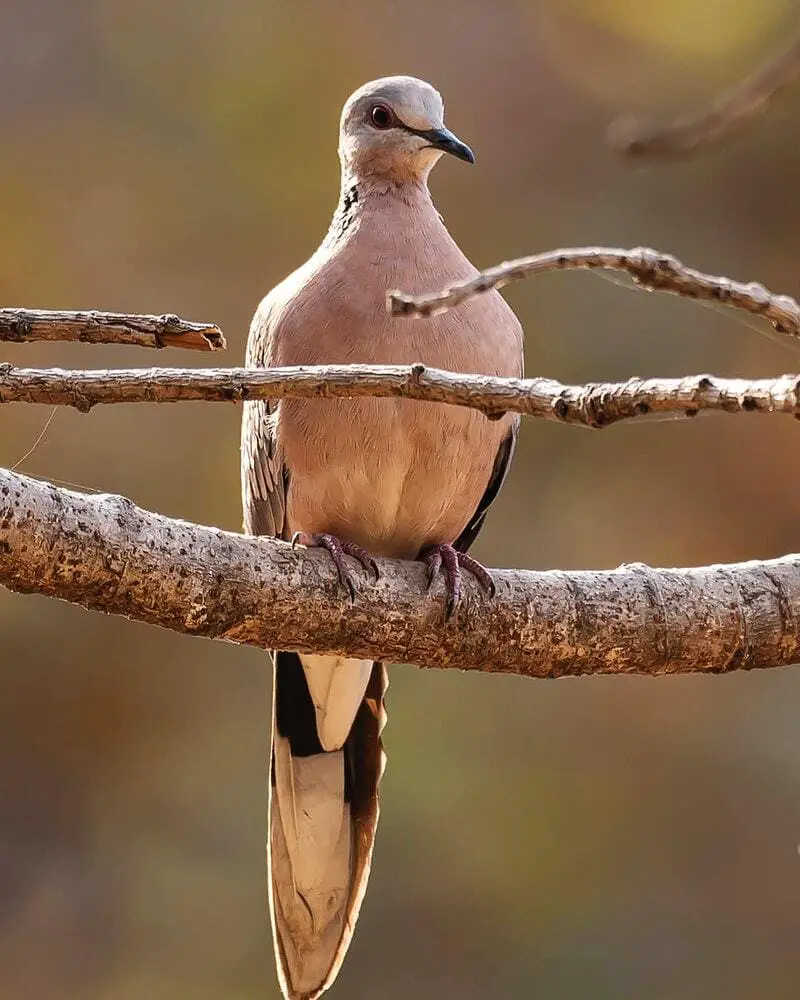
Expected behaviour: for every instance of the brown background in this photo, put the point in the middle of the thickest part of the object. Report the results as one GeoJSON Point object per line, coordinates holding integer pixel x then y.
{"type": "Point", "coordinates": [606, 838]}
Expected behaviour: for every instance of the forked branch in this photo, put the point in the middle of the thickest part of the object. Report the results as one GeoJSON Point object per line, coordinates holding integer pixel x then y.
{"type": "Point", "coordinates": [653, 271]}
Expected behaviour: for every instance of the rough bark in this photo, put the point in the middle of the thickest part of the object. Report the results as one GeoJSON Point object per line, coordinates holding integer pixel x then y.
{"type": "Point", "coordinates": [106, 554]}
{"type": "Point", "coordinates": [23, 326]}
{"type": "Point", "coordinates": [653, 271]}
{"type": "Point", "coordinates": [593, 405]}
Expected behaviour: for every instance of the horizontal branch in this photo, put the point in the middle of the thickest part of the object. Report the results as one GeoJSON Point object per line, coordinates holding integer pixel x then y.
{"type": "Point", "coordinates": [104, 553]}
{"type": "Point", "coordinates": [23, 326]}
{"type": "Point", "coordinates": [594, 405]}
{"type": "Point", "coordinates": [653, 271]}
{"type": "Point", "coordinates": [635, 136]}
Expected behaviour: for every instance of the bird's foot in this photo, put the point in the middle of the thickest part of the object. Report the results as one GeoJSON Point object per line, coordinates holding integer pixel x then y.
{"type": "Point", "coordinates": [338, 548]}
{"type": "Point", "coordinates": [448, 560]}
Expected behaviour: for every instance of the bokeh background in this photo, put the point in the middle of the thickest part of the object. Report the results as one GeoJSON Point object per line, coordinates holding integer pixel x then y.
{"type": "Point", "coordinates": [607, 838]}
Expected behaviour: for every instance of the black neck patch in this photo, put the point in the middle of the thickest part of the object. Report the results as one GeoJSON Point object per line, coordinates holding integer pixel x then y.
{"type": "Point", "coordinates": [345, 212]}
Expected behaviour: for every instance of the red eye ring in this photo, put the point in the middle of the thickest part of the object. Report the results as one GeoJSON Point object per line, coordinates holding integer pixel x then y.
{"type": "Point", "coordinates": [380, 116]}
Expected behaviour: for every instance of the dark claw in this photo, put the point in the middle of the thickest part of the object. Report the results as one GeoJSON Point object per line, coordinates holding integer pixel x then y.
{"type": "Point", "coordinates": [451, 562]}
{"type": "Point", "coordinates": [434, 561]}
{"type": "Point", "coordinates": [361, 555]}
{"type": "Point", "coordinates": [481, 574]}
{"type": "Point", "coordinates": [452, 576]}
{"type": "Point", "coordinates": [338, 549]}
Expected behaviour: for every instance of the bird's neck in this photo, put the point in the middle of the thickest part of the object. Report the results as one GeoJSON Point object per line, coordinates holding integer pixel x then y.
{"type": "Point", "coordinates": [364, 196]}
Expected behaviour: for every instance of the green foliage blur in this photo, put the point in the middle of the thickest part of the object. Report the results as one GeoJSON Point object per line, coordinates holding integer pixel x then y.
{"type": "Point", "coordinates": [608, 838]}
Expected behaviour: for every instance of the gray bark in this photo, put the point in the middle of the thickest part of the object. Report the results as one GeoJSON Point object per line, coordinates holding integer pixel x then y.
{"type": "Point", "coordinates": [24, 326]}
{"type": "Point", "coordinates": [593, 405]}
{"type": "Point", "coordinates": [106, 554]}
{"type": "Point", "coordinates": [650, 269]}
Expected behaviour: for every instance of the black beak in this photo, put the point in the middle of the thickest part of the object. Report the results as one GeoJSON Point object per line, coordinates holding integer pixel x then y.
{"type": "Point", "coordinates": [443, 138]}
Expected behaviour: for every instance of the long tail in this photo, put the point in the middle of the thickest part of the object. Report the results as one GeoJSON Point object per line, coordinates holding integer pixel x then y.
{"type": "Point", "coordinates": [323, 816]}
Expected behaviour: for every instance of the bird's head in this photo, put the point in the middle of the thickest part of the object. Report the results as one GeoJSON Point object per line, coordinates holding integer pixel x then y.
{"type": "Point", "coordinates": [394, 128]}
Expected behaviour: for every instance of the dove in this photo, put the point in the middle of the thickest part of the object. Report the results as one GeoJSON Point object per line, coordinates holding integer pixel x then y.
{"type": "Point", "coordinates": [360, 478]}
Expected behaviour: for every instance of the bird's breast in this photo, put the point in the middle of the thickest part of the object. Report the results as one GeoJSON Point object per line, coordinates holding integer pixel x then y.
{"type": "Point", "coordinates": [392, 475]}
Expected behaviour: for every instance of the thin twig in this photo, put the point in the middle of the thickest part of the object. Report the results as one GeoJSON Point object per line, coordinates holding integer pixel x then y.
{"type": "Point", "coordinates": [104, 553]}
{"type": "Point", "coordinates": [23, 326]}
{"type": "Point", "coordinates": [653, 271]}
{"type": "Point", "coordinates": [635, 136]}
{"type": "Point", "coordinates": [593, 405]}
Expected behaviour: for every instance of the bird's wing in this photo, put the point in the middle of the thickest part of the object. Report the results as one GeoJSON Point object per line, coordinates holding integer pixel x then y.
{"type": "Point", "coordinates": [323, 806]}
{"type": "Point", "coordinates": [264, 476]}
{"type": "Point", "coordinates": [502, 464]}
{"type": "Point", "coordinates": [501, 320]}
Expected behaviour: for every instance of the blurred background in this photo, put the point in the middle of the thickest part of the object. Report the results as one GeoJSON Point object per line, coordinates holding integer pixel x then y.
{"type": "Point", "coordinates": [609, 838]}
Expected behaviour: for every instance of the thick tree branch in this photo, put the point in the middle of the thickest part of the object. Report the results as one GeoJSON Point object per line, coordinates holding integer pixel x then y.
{"type": "Point", "coordinates": [22, 326]}
{"type": "Point", "coordinates": [104, 553]}
{"type": "Point", "coordinates": [654, 271]}
{"type": "Point", "coordinates": [593, 405]}
{"type": "Point", "coordinates": [635, 136]}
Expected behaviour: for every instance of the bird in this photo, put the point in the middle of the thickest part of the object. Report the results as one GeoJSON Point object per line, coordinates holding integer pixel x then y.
{"type": "Point", "coordinates": [364, 477]}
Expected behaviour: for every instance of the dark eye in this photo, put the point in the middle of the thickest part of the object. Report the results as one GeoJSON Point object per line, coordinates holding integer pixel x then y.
{"type": "Point", "coordinates": [381, 116]}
